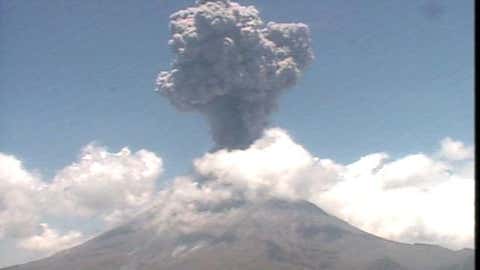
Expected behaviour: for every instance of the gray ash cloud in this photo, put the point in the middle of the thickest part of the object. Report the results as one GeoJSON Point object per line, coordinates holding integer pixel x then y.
{"type": "Point", "coordinates": [232, 67]}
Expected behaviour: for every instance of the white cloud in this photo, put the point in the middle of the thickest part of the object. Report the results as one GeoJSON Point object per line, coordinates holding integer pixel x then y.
{"type": "Point", "coordinates": [426, 205]}
{"type": "Point", "coordinates": [412, 170]}
{"type": "Point", "coordinates": [455, 150]}
{"type": "Point", "coordinates": [50, 241]}
{"type": "Point", "coordinates": [18, 198]}
{"type": "Point", "coordinates": [101, 185]}
{"type": "Point", "coordinates": [273, 165]}
{"type": "Point", "coordinates": [112, 185]}
{"type": "Point", "coordinates": [416, 198]}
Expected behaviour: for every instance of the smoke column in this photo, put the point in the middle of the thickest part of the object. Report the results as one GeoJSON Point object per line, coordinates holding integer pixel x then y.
{"type": "Point", "coordinates": [231, 66]}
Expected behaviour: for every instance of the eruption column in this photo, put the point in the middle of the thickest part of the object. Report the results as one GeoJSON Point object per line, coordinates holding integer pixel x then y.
{"type": "Point", "coordinates": [231, 66]}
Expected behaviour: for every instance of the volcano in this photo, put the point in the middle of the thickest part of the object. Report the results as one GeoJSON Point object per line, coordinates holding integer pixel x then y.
{"type": "Point", "coordinates": [272, 234]}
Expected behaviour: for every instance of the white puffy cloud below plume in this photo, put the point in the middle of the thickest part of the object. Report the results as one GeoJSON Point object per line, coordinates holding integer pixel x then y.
{"type": "Point", "coordinates": [110, 187]}
{"type": "Point", "coordinates": [427, 198]}
{"type": "Point", "coordinates": [416, 198]}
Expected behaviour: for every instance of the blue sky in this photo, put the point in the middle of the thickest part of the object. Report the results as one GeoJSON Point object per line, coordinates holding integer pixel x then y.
{"type": "Point", "coordinates": [388, 76]}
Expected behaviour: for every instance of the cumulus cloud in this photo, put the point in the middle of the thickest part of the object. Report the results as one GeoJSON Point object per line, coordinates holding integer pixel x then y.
{"type": "Point", "coordinates": [107, 184]}
{"type": "Point", "coordinates": [231, 66]}
{"type": "Point", "coordinates": [18, 198]}
{"type": "Point", "coordinates": [111, 187]}
{"type": "Point", "coordinates": [415, 198]}
{"type": "Point", "coordinates": [455, 150]}
{"type": "Point", "coordinates": [420, 197]}
{"type": "Point", "coordinates": [411, 199]}
{"type": "Point", "coordinates": [50, 241]}
{"type": "Point", "coordinates": [273, 165]}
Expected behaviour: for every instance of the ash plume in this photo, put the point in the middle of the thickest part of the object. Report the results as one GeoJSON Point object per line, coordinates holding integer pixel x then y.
{"type": "Point", "coordinates": [231, 66]}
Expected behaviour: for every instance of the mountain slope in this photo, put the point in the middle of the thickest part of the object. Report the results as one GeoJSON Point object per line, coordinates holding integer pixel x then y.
{"type": "Point", "coordinates": [275, 234]}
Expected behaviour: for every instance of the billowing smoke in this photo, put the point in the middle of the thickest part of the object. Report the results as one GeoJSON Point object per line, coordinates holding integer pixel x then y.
{"type": "Point", "coordinates": [232, 67]}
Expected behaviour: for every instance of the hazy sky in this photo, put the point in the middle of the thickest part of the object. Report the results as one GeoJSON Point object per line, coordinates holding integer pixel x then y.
{"type": "Point", "coordinates": [389, 76]}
